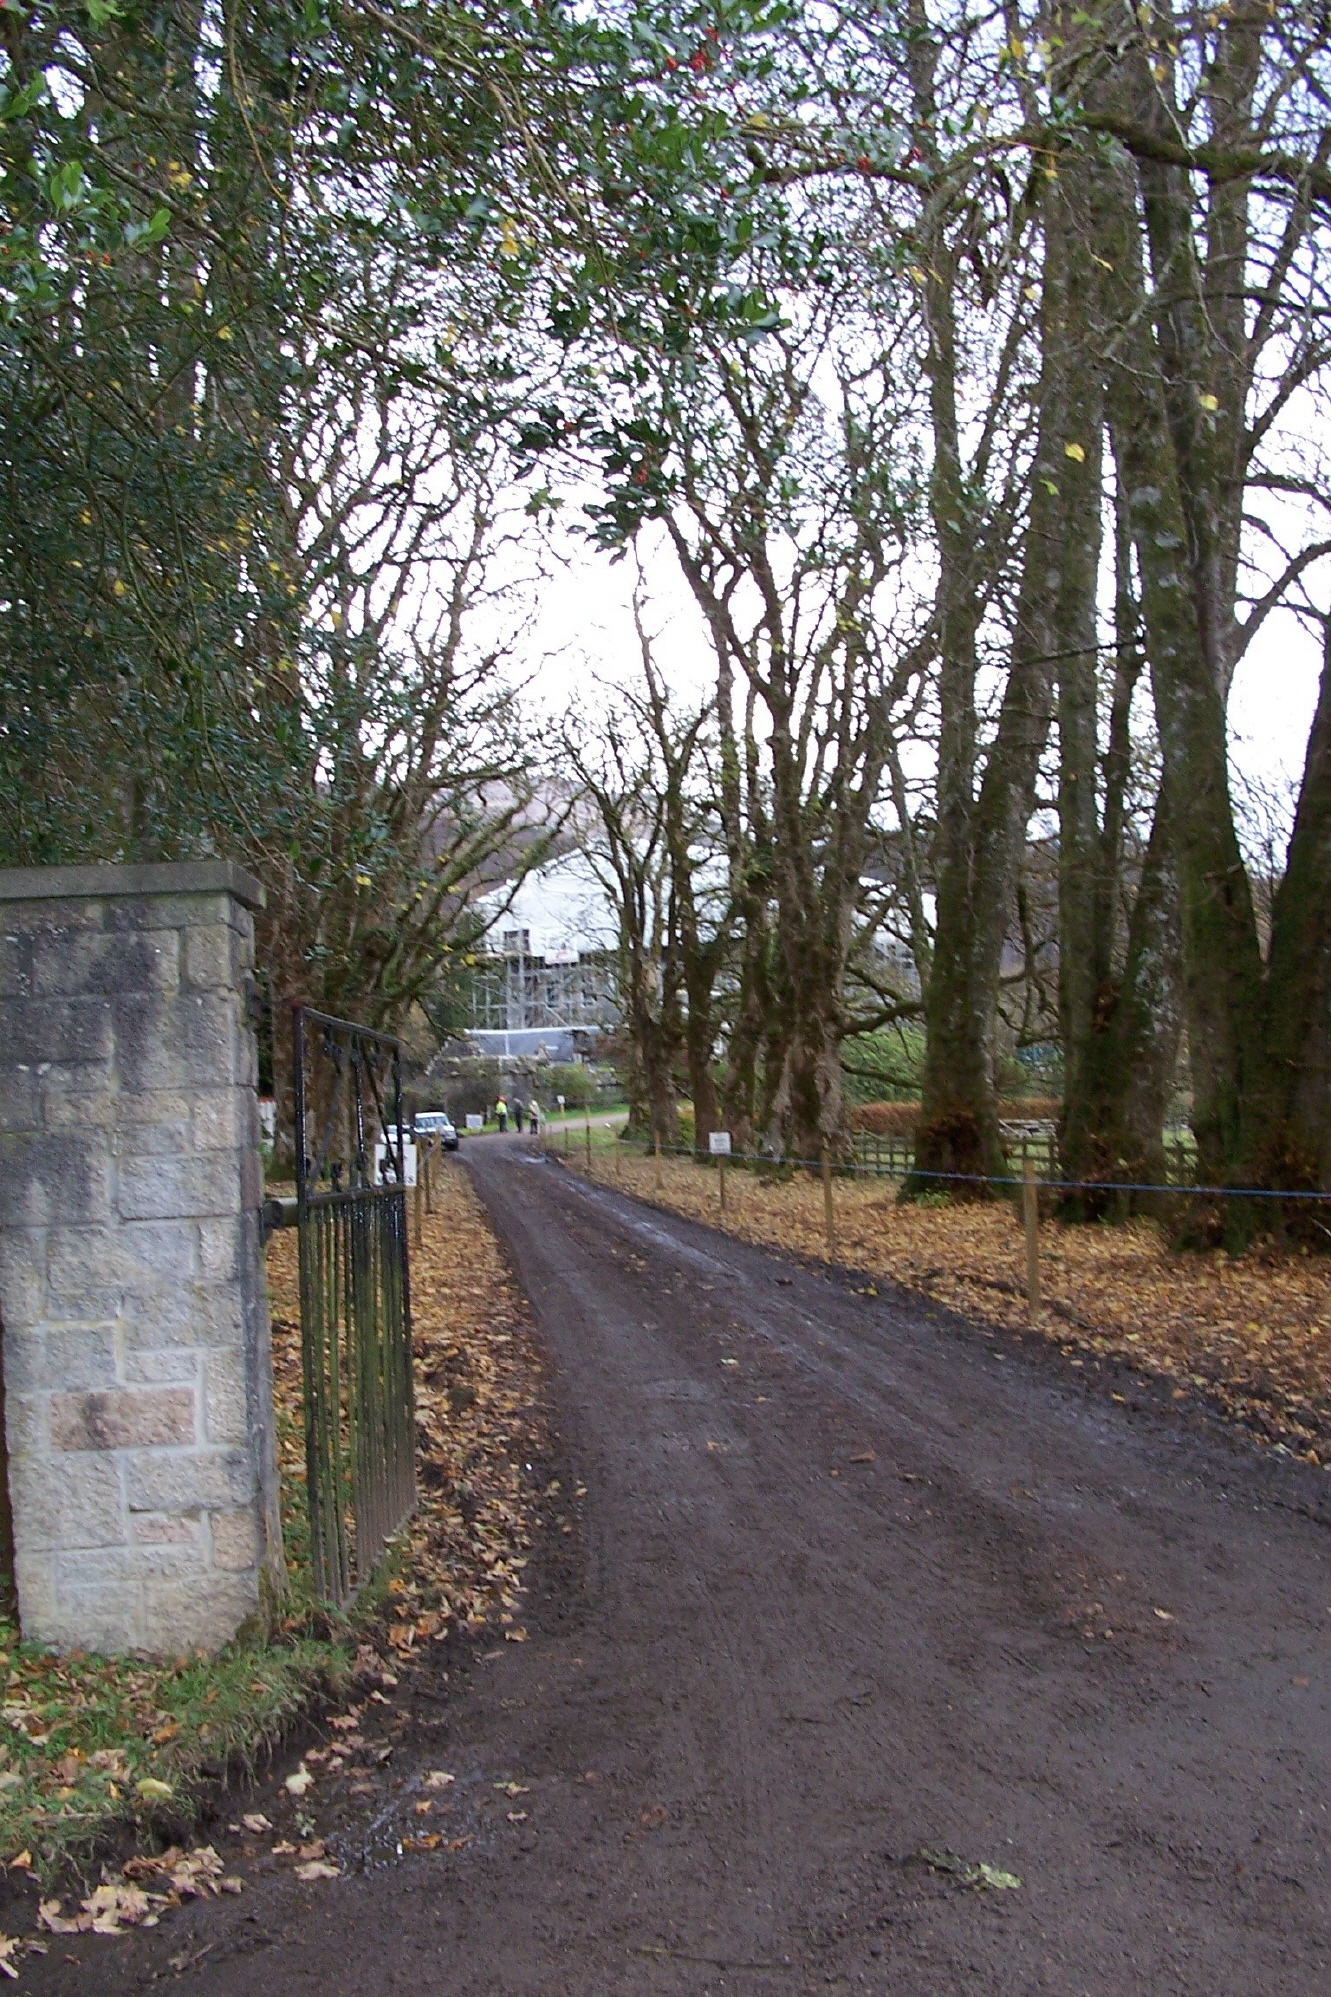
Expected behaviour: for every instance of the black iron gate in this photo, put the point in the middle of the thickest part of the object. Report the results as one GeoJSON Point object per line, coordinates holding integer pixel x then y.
{"type": "Point", "coordinates": [355, 1307]}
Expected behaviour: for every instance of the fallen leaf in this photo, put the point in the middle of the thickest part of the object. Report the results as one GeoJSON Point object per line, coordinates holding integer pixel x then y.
{"type": "Point", "coordinates": [113, 1907]}
{"type": "Point", "coordinates": [255, 1821]}
{"type": "Point", "coordinates": [23, 1863]}
{"type": "Point", "coordinates": [300, 1783]}
{"type": "Point", "coordinates": [517, 1816]}
{"type": "Point", "coordinates": [865, 1456]}
{"type": "Point", "coordinates": [978, 1874]}
{"type": "Point", "coordinates": [438, 1778]}
{"type": "Point", "coordinates": [316, 1868]}
{"type": "Point", "coordinates": [153, 1790]}
{"type": "Point", "coordinates": [1165, 1615]}
{"type": "Point", "coordinates": [990, 1875]}
{"type": "Point", "coordinates": [189, 1874]}
{"type": "Point", "coordinates": [477, 1427]}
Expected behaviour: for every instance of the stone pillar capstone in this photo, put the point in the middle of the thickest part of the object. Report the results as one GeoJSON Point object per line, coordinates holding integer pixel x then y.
{"type": "Point", "coordinates": [138, 1379]}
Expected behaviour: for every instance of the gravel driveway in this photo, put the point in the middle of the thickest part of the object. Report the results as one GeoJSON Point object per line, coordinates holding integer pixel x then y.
{"type": "Point", "coordinates": [858, 1601]}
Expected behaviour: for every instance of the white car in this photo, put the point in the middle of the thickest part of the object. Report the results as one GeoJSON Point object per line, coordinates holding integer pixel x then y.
{"type": "Point", "coordinates": [436, 1123]}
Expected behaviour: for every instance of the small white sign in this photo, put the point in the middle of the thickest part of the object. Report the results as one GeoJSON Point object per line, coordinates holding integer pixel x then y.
{"type": "Point", "coordinates": [719, 1141]}
{"type": "Point", "coordinates": [385, 1157]}
{"type": "Point", "coordinates": [475, 1122]}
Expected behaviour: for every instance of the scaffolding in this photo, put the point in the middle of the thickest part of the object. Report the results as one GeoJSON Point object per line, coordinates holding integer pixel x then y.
{"type": "Point", "coordinates": [517, 991]}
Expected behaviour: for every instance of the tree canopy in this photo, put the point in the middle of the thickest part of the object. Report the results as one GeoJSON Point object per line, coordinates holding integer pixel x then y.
{"type": "Point", "coordinates": [968, 363]}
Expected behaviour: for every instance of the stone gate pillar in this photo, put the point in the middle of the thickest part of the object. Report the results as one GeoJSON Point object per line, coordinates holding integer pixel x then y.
{"type": "Point", "coordinates": [138, 1384]}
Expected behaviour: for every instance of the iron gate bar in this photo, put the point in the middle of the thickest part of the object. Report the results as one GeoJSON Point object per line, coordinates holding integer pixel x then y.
{"type": "Point", "coordinates": [355, 1297]}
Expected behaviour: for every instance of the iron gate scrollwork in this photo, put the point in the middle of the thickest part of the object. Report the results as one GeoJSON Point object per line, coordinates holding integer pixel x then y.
{"type": "Point", "coordinates": [355, 1305]}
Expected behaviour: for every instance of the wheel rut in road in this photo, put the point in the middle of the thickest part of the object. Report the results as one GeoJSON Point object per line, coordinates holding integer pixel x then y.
{"type": "Point", "coordinates": [856, 1591]}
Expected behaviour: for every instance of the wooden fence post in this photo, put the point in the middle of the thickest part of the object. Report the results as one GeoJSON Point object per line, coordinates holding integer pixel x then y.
{"type": "Point", "coordinates": [1030, 1209]}
{"type": "Point", "coordinates": [829, 1206]}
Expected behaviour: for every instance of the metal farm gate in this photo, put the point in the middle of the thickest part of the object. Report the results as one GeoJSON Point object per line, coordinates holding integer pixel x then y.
{"type": "Point", "coordinates": [355, 1307]}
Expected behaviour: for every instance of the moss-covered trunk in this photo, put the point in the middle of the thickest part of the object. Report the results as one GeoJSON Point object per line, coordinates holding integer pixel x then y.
{"type": "Point", "coordinates": [1294, 1144]}
{"type": "Point", "coordinates": [980, 836]}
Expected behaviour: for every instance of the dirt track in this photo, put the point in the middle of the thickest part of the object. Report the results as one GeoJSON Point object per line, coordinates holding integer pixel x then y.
{"type": "Point", "coordinates": [852, 1582]}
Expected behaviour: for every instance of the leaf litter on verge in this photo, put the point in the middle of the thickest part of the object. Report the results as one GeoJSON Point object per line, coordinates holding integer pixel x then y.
{"type": "Point", "coordinates": [128, 1902]}
{"type": "Point", "coordinates": [479, 1425]}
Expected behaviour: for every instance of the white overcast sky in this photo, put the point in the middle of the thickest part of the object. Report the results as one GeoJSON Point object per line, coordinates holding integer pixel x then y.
{"type": "Point", "coordinates": [584, 632]}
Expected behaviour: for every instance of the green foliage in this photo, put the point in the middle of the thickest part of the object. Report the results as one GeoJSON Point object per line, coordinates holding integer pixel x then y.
{"type": "Point", "coordinates": [885, 1066]}
{"type": "Point", "coordinates": [573, 1080]}
{"type": "Point", "coordinates": [108, 1723]}
{"type": "Point", "coordinates": [253, 370]}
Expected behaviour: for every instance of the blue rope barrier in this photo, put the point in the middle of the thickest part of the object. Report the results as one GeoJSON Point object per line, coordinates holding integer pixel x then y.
{"type": "Point", "coordinates": [1010, 1179]}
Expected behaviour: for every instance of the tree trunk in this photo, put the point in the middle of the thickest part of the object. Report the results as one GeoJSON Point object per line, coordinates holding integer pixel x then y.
{"type": "Point", "coordinates": [979, 846]}
{"type": "Point", "coordinates": [753, 1007]}
{"type": "Point", "coordinates": [1180, 387]}
{"type": "Point", "coordinates": [699, 1043]}
{"type": "Point", "coordinates": [1222, 965]}
{"type": "Point", "coordinates": [805, 1113]}
{"type": "Point", "coordinates": [658, 1082]}
{"type": "Point", "coordinates": [1294, 1147]}
{"type": "Point", "coordinates": [1084, 911]}
{"type": "Point", "coordinates": [1127, 1062]}
{"type": "Point", "coordinates": [1142, 1043]}
{"type": "Point", "coordinates": [1108, 1033]}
